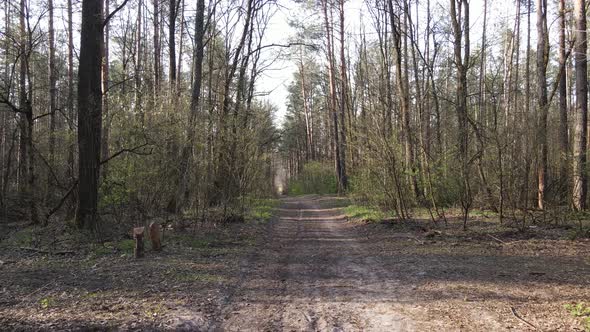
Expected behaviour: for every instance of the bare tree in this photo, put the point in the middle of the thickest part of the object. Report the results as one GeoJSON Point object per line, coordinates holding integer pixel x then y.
{"type": "Point", "coordinates": [460, 24]}
{"type": "Point", "coordinates": [542, 101]}
{"type": "Point", "coordinates": [105, 92]}
{"type": "Point", "coordinates": [563, 128]}
{"type": "Point", "coordinates": [185, 161]}
{"type": "Point", "coordinates": [581, 115]}
{"type": "Point", "coordinates": [52, 94]}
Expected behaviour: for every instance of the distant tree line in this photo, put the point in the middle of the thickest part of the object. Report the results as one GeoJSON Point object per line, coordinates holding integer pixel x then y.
{"type": "Point", "coordinates": [413, 110]}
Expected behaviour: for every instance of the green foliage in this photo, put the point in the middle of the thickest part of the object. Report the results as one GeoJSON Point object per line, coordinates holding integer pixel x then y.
{"type": "Point", "coordinates": [316, 178]}
{"type": "Point", "coordinates": [446, 185]}
{"type": "Point", "coordinates": [261, 210]}
{"type": "Point", "coordinates": [363, 188]}
{"type": "Point", "coordinates": [364, 213]}
{"type": "Point", "coordinates": [581, 310]}
{"type": "Point", "coordinates": [113, 194]}
{"type": "Point", "coordinates": [23, 237]}
{"type": "Point", "coordinates": [47, 302]}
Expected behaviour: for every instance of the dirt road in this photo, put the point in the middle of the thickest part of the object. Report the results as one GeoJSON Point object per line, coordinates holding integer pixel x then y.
{"type": "Point", "coordinates": [319, 273]}
{"type": "Point", "coordinates": [314, 275]}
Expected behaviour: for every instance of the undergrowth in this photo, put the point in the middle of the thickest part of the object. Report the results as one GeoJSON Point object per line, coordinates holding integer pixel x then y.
{"type": "Point", "coordinates": [261, 210]}
{"type": "Point", "coordinates": [365, 213]}
{"type": "Point", "coordinates": [581, 310]}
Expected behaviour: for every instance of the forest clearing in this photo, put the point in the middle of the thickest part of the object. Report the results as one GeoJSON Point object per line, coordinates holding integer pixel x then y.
{"type": "Point", "coordinates": [294, 165]}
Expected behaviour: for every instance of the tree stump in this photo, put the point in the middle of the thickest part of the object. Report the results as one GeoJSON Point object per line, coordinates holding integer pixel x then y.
{"type": "Point", "coordinates": [155, 236]}
{"type": "Point", "coordinates": [138, 236]}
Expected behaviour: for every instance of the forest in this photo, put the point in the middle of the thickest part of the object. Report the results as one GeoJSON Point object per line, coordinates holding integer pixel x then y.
{"type": "Point", "coordinates": [430, 157]}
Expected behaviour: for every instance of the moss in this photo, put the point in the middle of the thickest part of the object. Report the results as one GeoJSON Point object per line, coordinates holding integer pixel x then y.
{"type": "Point", "coordinates": [109, 248]}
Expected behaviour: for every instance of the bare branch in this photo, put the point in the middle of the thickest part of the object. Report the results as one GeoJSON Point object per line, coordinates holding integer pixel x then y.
{"type": "Point", "coordinates": [108, 18]}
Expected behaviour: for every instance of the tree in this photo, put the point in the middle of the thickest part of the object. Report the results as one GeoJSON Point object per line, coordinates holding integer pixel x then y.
{"type": "Point", "coordinates": [185, 161]}
{"type": "Point", "coordinates": [542, 102]}
{"type": "Point", "coordinates": [332, 101]}
{"type": "Point", "coordinates": [52, 94]}
{"type": "Point", "coordinates": [581, 114]}
{"type": "Point", "coordinates": [563, 128]}
{"type": "Point", "coordinates": [89, 113]}
{"type": "Point", "coordinates": [105, 93]}
{"type": "Point", "coordinates": [461, 40]}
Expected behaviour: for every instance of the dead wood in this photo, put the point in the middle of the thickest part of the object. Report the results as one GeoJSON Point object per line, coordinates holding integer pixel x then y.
{"type": "Point", "coordinates": [522, 319]}
{"type": "Point", "coordinates": [155, 236]}
{"type": "Point", "coordinates": [138, 236]}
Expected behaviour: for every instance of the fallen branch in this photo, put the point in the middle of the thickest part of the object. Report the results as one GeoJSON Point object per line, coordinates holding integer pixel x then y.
{"type": "Point", "coordinates": [42, 251]}
{"type": "Point", "coordinates": [522, 319]}
{"type": "Point", "coordinates": [495, 238]}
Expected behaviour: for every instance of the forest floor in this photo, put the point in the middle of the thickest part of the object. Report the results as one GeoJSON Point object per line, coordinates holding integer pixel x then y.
{"type": "Point", "coordinates": [309, 268]}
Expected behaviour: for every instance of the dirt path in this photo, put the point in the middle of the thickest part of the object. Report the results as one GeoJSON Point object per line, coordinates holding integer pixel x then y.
{"type": "Point", "coordinates": [318, 272]}
{"type": "Point", "coordinates": [315, 274]}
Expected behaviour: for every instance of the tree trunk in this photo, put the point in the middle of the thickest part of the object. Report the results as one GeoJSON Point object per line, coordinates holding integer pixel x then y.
{"type": "Point", "coordinates": [105, 96]}
{"type": "Point", "coordinates": [22, 174]}
{"type": "Point", "coordinates": [173, 13]}
{"type": "Point", "coordinates": [462, 65]}
{"type": "Point", "coordinates": [524, 198]}
{"type": "Point", "coordinates": [138, 66]}
{"type": "Point", "coordinates": [185, 161]}
{"type": "Point", "coordinates": [344, 102]}
{"type": "Point", "coordinates": [89, 113]}
{"type": "Point", "coordinates": [542, 102]}
{"type": "Point", "coordinates": [52, 98]}
{"type": "Point", "coordinates": [70, 97]}
{"type": "Point", "coordinates": [157, 51]}
{"type": "Point", "coordinates": [563, 134]}
{"type": "Point", "coordinates": [332, 98]}
{"type": "Point", "coordinates": [581, 115]}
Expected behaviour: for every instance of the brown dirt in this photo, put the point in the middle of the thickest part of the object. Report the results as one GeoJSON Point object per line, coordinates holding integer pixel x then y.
{"type": "Point", "coordinates": [310, 269]}
{"type": "Point", "coordinates": [323, 273]}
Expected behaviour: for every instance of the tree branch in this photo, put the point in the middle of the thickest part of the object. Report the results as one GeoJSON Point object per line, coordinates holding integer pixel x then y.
{"type": "Point", "coordinates": [312, 46]}
{"type": "Point", "coordinates": [108, 18]}
{"type": "Point", "coordinates": [132, 150]}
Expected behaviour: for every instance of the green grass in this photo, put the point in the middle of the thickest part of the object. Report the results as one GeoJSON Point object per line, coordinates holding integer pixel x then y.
{"type": "Point", "coordinates": [24, 237]}
{"type": "Point", "coordinates": [261, 210]}
{"type": "Point", "coordinates": [581, 310]}
{"type": "Point", "coordinates": [108, 248]}
{"type": "Point", "coordinates": [364, 213]}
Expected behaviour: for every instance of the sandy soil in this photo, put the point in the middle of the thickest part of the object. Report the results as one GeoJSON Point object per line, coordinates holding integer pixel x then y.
{"type": "Point", "coordinates": [310, 269]}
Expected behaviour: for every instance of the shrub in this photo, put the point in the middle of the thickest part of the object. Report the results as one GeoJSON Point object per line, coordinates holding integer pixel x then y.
{"type": "Point", "coordinates": [315, 178]}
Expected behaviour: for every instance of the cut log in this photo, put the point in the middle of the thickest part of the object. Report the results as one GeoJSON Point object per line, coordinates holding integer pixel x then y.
{"type": "Point", "coordinates": [138, 236]}
{"type": "Point", "coordinates": [155, 236]}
